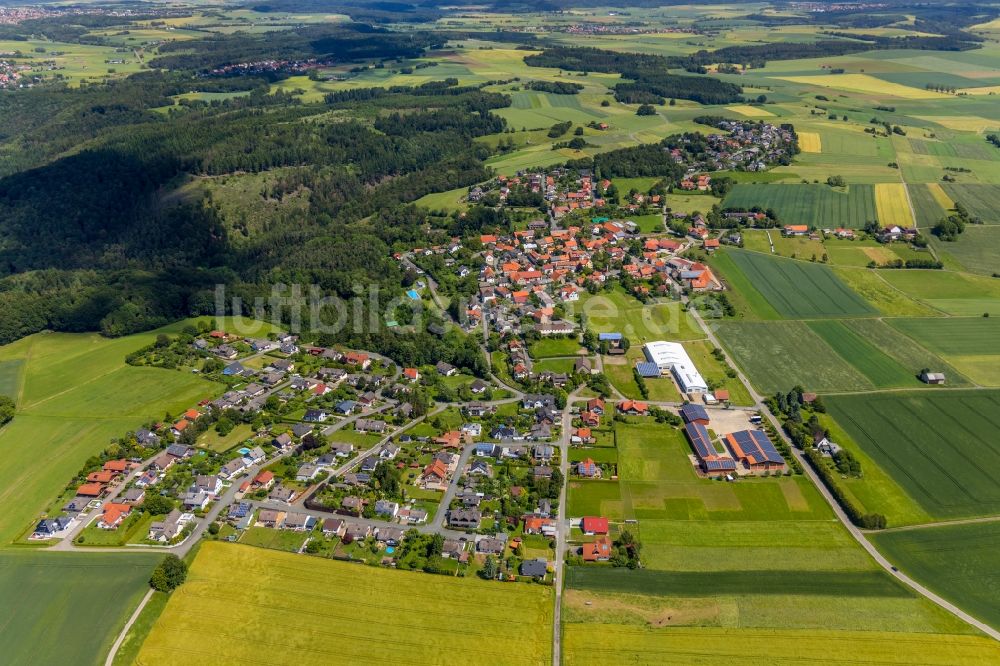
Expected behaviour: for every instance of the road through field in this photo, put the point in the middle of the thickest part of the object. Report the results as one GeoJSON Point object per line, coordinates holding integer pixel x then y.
{"type": "Point", "coordinates": [839, 512]}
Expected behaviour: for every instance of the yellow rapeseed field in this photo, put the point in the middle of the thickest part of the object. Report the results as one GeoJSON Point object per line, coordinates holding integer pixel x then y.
{"type": "Point", "coordinates": [810, 142]}
{"type": "Point", "coordinates": [892, 205]}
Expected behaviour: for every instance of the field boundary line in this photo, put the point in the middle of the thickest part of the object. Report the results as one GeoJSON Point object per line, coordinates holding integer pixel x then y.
{"type": "Point", "coordinates": [939, 523]}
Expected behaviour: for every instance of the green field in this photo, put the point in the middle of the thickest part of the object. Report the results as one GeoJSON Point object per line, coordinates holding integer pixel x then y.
{"type": "Point", "coordinates": [83, 598]}
{"type": "Point", "coordinates": [617, 312]}
{"type": "Point", "coordinates": [881, 369]}
{"type": "Point", "coordinates": [938, 445]}
{"type": "Point", "coordinates": [960, 294]}
{"type": "Point", "coordinates": [554, 347]}
{"type": "Point", "coordinates": [309, 611]}
{"type": "Point", "coordinates": [959, 562]}
{"type": "Point", "coordinates": [976, 250]}
{"type": "Point", "coordinates": [982, 200]}
{"type": "Point", "coordinates": [910, 355]}
{"type": "Point", "coordinates": [815, 205]}
{"type": "Point", "coordinates": [75, 394]}
{"type": "Point", "coordinates": [799, 289]}
{"type": "Point", "coordinates": [779, 355]}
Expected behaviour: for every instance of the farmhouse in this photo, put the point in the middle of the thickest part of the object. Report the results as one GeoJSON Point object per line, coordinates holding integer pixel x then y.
{"type": "Point", "coordinates": [672, 357]}
{"type": "Point", "coordinates": [754, 449]}
{"type": "Point", "coordinates": [597, 551]}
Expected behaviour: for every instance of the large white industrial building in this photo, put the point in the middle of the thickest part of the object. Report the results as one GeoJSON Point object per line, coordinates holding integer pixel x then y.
{"type": "Point", "coordinates": [671, 356]}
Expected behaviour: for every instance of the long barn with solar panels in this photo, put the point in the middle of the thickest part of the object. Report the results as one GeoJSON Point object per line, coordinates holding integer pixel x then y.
{"type": "Point", "coordinates": [754, 449]}
{"type": "Point", "coordinates": [708, 458]}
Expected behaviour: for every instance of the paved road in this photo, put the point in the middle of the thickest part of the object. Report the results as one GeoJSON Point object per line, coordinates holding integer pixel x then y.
{"type": "Point", "coordinates": [562, 527]}
{"type": "Point", "coordinates": [449, 494]}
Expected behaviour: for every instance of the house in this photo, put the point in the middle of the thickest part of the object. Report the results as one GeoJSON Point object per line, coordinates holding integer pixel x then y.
{"type": "Point", "coordinates": [315, 416]}
{"type": "Point", "coordinates": [542, 472]}
{"type": "Point", "coordinates": [505, 432]}
{"type": "Point", "coordinates": [543, 453]}
{"type": "Point", "coordinates": [50, 526]}
{"type": "Point", "coordinates": [593, 525]}
{"type": "Point", "coordinates": [411, 374]}
{"type": "Point", "coordinates": [254, 456]}
{"type": "Point", "coordinates": [352, 504]}
{"type": "Point", "coordinates": [588, 468]}
{"type": "Point", "coordinates": [270, 518]}
{"type": "Point", "coordinates": [355, 532]}
{"type": "Point", "coordinates": [597, 551]}
{"type": "Point", "coordinates": [281, 493]}
{"type": "Point", "coordinates": [300, 430]}
{"type": "Point", "coordinates": [345, 407]}
{"type": "Point", "coordinates": [299, 522]}
{"type": "Point", "coordinates": [147, 479]}
{"type": "Point", "coordinates": [334, 527]}
{"type": "Point", "coordinates": [134, 496]}
{"type": "Point", "coordinates": [464, 518]}
{"type": "Point", "coordinates": [117, 467]}
{"type": "Point", "coordinates": [453, 549]}
{"type": "Point", "coordinates": [77, 505]}
{"type": "Point", "coordinates": [232, 468]}
{"type": "Point", "coordinates": [167, 529]}
{"type": "Point", "coordinates": [359, 359]}
{"type": "Point", "coordinates": [929, 377]}
{"type": "Point", "coordinates": [147, 438]}
{"type": "Point", "coordinates": [101, 477]}
{"type": "Point", "coordinates": [445, 369]}
{"type": "Point", "coordinates": [370, 425]}
{"type": "Point", "coordinates": [478, 387]}
{"type": "Point", "coordinates": [434, 474]}
{"type": "Point", "coordinates": [596, 405]}
{"type": "Point", "coordinates": [633, 407]}
{"type": "Point", "coordinates": [307, 472]}
{"type": "Point", "coordinates": [539, 525]}
{"type": "Point", "coordinates": [583, 366]}
{"type": "Point", "coordinates": [491, 545]}
{"type": "Point", "coordinates": [196, 500]}
{"type": "Point", "coordinates": [211, 485]}
{"type": "Point", "coordinates": [263, 480]}
{"type": "Point", "coordinates": [537, 400]}
{"type": "Point", "coordinates": [179, 451]}
{"type": "Point", "coordinates": [582, 436]}
{"type": "Point", "coordinates": [236, 369]}
{"type": "Point", "coordinates": [386, 508]}
{"type": "Point", "coordinates": [480, 468]}
{"type": "Point", "coordinates": [478, 409]}
{"type": "Point", "coordinates": [795, 230]}
{"type": "Point", "coordinates": [388, 452]}
{"type": "Point", "coordinates": [113, 515]}
{"type": "Point", "coordinates": [534, 568]}
{"type": "Point", "coordinates": [413, 516]}
{"type": "Point", "coordinates": [390, 536]}
{"type": "Point", "coordinates": [692, 413]}
{"type": "Point", "coordinates": [90, 490]}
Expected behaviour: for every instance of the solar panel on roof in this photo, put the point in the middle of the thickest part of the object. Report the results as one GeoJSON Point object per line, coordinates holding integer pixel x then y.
{"type": "Point", "coordinates": [648, 369]}
{"type": "Point", "coordinates": [702, 443]}
{"type": "Point", "coordinates": [693, 412]}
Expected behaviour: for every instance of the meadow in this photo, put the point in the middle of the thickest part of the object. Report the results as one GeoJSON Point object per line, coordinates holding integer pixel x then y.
{"type": "Point", "coordinates": [779, 355]}
{"type": "Point", "coordinates": [309, 611]}
{"type": "Point", "coordinates": [815, 205]}
{"type": "Point", "coordinates": [617, 312]}
{"type": "Point", "coordinates": [75, 394]}
{"type": "Point", "coordinates": [878, 333]}
{"type": "Point", "coordinates": [954, 293]}
{"type": "Point", "coordinates": [84, 599]}
{"type": "Point", "coordinates": [937, 445]}
{"type": "Point", "coordinates": [799, 289]}
{"type": "Point", "coordinates": [958, 562]}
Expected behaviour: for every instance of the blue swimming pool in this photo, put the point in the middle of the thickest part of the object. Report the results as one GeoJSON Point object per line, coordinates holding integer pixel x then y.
{"type": "Point", "coordinates": [413, 294]}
